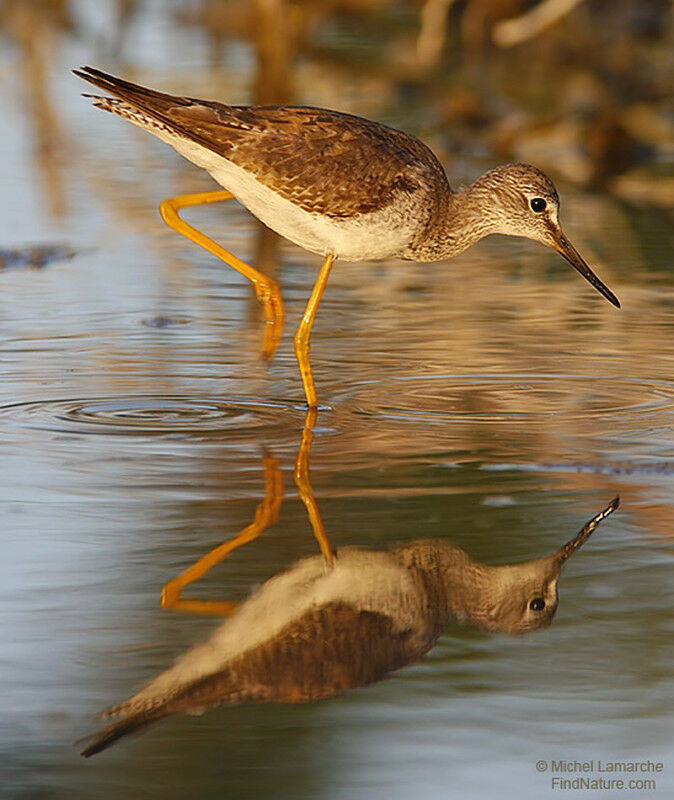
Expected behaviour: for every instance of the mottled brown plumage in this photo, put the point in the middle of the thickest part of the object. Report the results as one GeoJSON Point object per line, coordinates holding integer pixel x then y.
{"type": "Point", "coordinates": [367, 191]}
{"type": "Point", "coordinates": [328, 650]}
{"type": "Point", "coordinates": [337, 185]}
{"type": "Point", "coordinates": [309, 156]}
{"type": "Point", "coordinates": [308, 634]}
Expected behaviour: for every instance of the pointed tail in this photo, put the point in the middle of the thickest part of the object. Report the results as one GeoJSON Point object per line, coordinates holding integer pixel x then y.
{"type": "Point", "coordinates": [122, 727]}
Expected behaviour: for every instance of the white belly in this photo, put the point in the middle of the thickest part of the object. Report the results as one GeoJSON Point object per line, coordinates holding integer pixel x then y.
{"type": "Point", "coordinates": [361, 238]}
{"type": "Point", "coordinates": [368, 581]}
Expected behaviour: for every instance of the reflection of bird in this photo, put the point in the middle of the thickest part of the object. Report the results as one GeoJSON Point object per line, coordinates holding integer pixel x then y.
{"type": "Point", "coordinates": [309, 633]}
{"type": "Point", "coordinates": [337, 185]}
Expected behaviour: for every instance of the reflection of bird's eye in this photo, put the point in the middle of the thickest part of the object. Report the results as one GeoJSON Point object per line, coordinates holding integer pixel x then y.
{"type": "Point", "coordinates": [538, 204]}
{"type": "Point", "coordinates": [537, 604]}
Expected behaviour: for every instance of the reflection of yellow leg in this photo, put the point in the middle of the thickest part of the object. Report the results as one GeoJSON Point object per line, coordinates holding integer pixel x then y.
{"type": "Point", "coordinates": [305, 491]}
{"type": "Point", "coordinates": [266, 290]}
{"type": "Point", "coordinates": [265, 514]}
{"type": "Point", "coordinates": [304, 332]}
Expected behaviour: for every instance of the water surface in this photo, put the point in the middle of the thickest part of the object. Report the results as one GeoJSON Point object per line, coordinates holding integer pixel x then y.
{"type": "Point", "coordinates": [495, 400]}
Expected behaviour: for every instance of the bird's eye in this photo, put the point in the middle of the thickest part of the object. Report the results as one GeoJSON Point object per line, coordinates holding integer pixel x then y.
{"type": "Point", "coordinates": [537, 604]}
{"type": "Point", "coordinates": [537, 204]}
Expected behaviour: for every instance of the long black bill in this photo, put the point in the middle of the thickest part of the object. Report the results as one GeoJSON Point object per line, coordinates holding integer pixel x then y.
{"type": "Point", "coordinates": [564, 247]}
{"type": "Point", "coordinates": [584, 534]}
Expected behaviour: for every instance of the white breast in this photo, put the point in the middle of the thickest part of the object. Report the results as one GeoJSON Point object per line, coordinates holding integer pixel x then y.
{"type": "Point", "coordinates": [360, 238]}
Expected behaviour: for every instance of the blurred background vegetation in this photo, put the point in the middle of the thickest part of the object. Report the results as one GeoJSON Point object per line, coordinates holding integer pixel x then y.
{"type": "Point", "coordinates": [492, 401]}
{"type": "Point", "coordinates": [581, 88]}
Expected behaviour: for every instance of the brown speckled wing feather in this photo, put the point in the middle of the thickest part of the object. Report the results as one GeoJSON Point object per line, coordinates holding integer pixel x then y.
{"type": "Point", "coordinates": [323, 161]}
{"type": "Point", "coordinates": [327, 651]}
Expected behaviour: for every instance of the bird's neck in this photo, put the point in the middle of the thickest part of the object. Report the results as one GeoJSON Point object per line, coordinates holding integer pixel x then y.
{"type": "Point", "coordinates": [465, 589]}
{"type": "Point", "coordinates": [460, 220]}
{"type": "Point", "coordinates": [469, 586]}
{"type": "Point", "coordinates": [455, 584]}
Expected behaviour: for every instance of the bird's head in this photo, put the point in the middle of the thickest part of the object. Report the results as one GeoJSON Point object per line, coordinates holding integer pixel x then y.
{"type": "Point", "coordinates": [520, 200]}
{"type": "Point", "coordinates": [518, 598]}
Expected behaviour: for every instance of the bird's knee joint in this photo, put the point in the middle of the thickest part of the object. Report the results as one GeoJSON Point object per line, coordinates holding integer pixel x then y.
{"type": "Point", "coordinates": [267, 292]}
{"type": "Point", "coordinates": [301, 341]}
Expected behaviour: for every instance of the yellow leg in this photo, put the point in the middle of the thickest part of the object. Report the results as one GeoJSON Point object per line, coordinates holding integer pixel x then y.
{"type": "Point", "coordinates": [302, 344]}
{"type": "Point", "coordinates": [305, 491]}
{"type": "Point", "coordinates": [265, 514]}
{"type": "Point", "coordinates": [266, 290]}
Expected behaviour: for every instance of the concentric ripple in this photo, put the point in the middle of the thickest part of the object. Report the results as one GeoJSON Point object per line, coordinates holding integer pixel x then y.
{"type": "Point", "coordinates": [149, 415]}
{"type": "Point", "coordinates": [497, 398]}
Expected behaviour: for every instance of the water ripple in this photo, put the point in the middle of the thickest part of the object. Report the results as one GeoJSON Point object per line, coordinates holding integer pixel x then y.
{"type": "Point", "coordinates": [150, 415]}
{"type": "Point", "coordinates": [502, 397]}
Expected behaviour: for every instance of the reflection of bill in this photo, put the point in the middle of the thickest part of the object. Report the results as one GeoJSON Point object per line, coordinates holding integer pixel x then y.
{"type": "Point", "coordinates": [337, 621]}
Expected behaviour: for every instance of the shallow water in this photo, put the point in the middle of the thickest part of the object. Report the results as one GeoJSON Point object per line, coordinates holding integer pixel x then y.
{"type": "Point", "coordinates": [496, 401]}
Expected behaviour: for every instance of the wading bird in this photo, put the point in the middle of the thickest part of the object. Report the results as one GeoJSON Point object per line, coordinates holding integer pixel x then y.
{"type": "Point", "coordinates": [337, 185]}
{"type": "Point", "coordinates": [311, 632]}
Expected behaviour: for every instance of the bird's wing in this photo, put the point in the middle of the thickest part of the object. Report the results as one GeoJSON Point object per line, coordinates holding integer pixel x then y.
{"type": "Point", "coordinates": [327, 650]}
{"type": "Point", "coordinates": [323, 161]}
